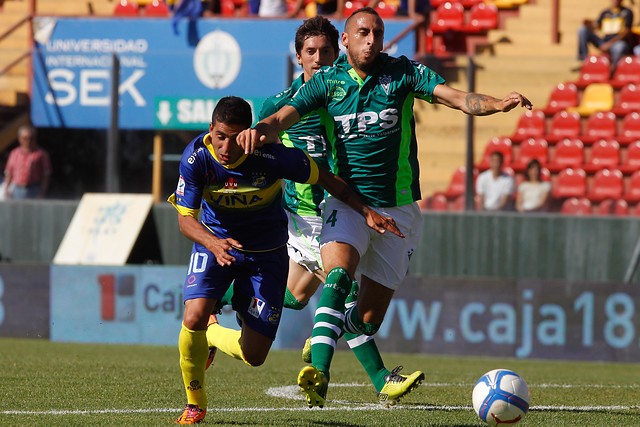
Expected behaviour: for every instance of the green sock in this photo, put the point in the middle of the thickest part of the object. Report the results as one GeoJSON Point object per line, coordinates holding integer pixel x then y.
{"type": "Point", "coordinates": [291, 302]}
{"type": "Point", "coordinates": [329, 318]}
{"type": "Point", "coordinates": [365, 349]}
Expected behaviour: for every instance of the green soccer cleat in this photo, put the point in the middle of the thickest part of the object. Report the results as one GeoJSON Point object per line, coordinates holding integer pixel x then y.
{"type": "Point", "coordinates": [397, 386]}
{"type": "Point", "coordinates": [314, 385]}
{"type": "Point", "coordinates": [306, 351]}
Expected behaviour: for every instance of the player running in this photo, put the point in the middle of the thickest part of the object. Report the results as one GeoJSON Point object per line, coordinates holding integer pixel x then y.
{"type": "Point", "coordinates": [366, 100]}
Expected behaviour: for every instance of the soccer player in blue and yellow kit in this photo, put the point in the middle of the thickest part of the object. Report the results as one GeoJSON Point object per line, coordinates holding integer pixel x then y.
{"type": "Point", "coordinates": [366, 99]}
{"type": "Point", "coordinates": [241, 237]}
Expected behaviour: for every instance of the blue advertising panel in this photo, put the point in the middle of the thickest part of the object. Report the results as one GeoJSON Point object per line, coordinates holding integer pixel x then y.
{"type": "Point", "coordinates": [168, 79]}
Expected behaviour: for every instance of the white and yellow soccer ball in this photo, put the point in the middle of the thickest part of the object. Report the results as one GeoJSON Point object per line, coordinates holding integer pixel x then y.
{"type": "Point", "coordinates": [500, 397]}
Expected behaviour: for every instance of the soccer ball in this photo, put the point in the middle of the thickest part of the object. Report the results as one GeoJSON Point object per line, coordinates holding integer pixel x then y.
{"type": "Point", "coordinates": [501, 397]}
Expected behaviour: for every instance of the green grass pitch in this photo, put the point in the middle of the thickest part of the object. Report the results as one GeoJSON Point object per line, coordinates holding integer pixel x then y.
{"type": "Point", "coordinates": [58, 384]}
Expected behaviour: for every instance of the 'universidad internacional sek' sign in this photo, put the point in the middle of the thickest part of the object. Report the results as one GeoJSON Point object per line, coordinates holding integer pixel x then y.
{"type": "Point", "coordinates": [168, 79]}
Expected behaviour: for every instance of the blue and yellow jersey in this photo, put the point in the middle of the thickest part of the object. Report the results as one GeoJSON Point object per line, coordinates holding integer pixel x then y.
{"type": "Point", "coordinates": [241, 200]}
{"type": "Point", "coordinates": [310, 135]}
{"type": "Point", "coordinates": [372, 138]}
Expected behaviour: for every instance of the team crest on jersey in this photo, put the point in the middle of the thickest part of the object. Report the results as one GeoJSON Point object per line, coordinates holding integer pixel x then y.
{"type": "Point", "coordinates": [231, 185]}
{"type": "Point", "coordinates": [181, 185]}
{"type": "Point", "coordinates": [256, 307]}
{"type": "Point", "coordinates": [258, 180]}
{"type": "Point", "coordinates": [385, 82]}
{"type": "Point", "coordinates": [336, 93]}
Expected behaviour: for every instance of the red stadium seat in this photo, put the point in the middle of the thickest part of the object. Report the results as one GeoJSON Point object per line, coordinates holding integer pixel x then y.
{"type": "Point", "coordinates": [457, 185]}
{"type": "Point", "coordinates": [532, 148]}
{"type": "Point", "coordinates": [468, 4]}
{"type": "Point", "coordinates": [458, 204]}
{"type": "Point", "coordinates": [386, 9]}
{"type": "Point", "coordinates": [438, 202]}
{"type": "Point", "coordinates": [530, 125]}
{"type": "Point", "coordinates": [563, 96]}
{"type": "Point", "coordinates": [607, 184]}
{"type": "Point", "coordinates": [448, 17]}
{"type": "Point", "coordinates": [604, 154]}
{"type": "Point", "coordinates": [627, 71]}
{"type": "Point", "coordinates": [482, 18]}
{"type": "Point", "coordinates": [498, 143]}
{"type": "Point", "coordinates": [632, 193]}
{"type": "Point", "coordinates": [570, 183]}
{"type": "Point", "coordinates": [631, 162]}
{"type": "Point", "coordinates": [126, 8]}
{"type": "Point", "coordinates": [576, 206]}
{"type": "Point", "coordinates": [630, 129]}
{"type": "Point", "coordinates": [563, 125]}
{"type": "Point", "coordinates": [351, 6]}
{"type": "Point", "coordinates": [568, 153]}
{"type": "Point", "coordinates": [617, 207]}
{"type": "Point", "coordinates": [595, 69]}
{"type": "Point", "coordinates": [628, 100]}
{"type": "Point", "coordinates": [156, 8]}
{"type": "Point", "coordinates": [437, 3]}
{"type": "Point", "coordinates": [600, 125]}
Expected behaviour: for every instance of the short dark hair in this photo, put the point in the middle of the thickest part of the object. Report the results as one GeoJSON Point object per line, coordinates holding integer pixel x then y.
{"type": "Point", "coordinates": [366, 9]}
{"type": "Point", "coordinates": [499, 154]}
{"type": "Point", "coordinates": [316, 26]}
{"type": "Point", "coordinates": [532, 163]}
{"type": "Point", "coordinates": [232, 110]}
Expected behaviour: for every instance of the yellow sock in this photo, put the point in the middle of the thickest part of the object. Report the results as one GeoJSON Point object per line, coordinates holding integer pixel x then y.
{"type": "Point", "coordinates": [227, 340]}
{"type": "Point", "coordinates": [194, 351]}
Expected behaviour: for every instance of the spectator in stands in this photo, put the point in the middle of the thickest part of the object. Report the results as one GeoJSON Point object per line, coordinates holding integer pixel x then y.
{"type": "Point", "coordinates": [278, 9]}
{"type": "Point", "coordinates": [611, 33]}
{"type": "Point", "coordinates": [494, 186]}
{"type": "Point", "coordinates": [533, 193]}
{"type": "Point", "coordinates": [28, 168]}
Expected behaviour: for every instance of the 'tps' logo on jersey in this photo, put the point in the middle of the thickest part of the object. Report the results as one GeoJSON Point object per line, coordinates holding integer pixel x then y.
{"type": "Point", "coordinates": [386, 119]}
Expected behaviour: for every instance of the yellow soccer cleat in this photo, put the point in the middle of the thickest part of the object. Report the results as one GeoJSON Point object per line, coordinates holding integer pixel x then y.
{"type": "Point", "coordinates": [314, 385]}
{"type": "Point", "coordinates": [397, 386]}
{"type": "Point", "coordinates": [306, 351]}
{"type": "Point", "coordinates": [191, 415]}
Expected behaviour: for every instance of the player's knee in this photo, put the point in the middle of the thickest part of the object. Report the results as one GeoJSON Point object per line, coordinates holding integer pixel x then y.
{"type": "Point", "coordinates": [253, 358]}
{"type": "Point", "coordinates": [370, 328]}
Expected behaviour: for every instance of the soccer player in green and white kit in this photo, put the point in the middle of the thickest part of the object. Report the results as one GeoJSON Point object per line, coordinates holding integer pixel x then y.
{"type": "Point", "coordinates": [367, 99]}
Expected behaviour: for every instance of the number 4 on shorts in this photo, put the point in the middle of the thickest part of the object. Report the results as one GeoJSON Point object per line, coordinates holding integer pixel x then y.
{"type": "Point", "coordinates": [331, 219]}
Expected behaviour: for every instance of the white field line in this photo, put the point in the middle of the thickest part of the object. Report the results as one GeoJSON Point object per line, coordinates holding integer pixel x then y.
{"type": "Point", "coordinates": [292, 393]}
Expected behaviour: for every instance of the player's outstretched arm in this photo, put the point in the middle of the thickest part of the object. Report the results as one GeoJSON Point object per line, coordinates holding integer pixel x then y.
{"type": "Point", "coordinates": [341, 191]}
{"type": "Point", "coordinates": [267, 130]}
{"type": "Point", "coordinates": [477, 104]}
{"type": "Point", "coordinates": [196, 232]}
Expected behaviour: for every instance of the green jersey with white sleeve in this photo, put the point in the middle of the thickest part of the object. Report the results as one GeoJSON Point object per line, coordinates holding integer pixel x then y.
{"type": "Point", "coordinates": [310, 135]}
{"type": "Point", "coordinates": [372, 138]}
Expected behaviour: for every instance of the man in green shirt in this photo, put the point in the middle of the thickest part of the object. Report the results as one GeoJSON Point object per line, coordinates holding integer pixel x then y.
{"type": "Point", "coordinates": [367, 99]}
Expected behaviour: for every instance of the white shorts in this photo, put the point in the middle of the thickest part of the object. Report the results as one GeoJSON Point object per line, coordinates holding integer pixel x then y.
{"type": "Point", "coordinates": [303, 245]}
{"type": "Point", "coordinates": [383, 257]}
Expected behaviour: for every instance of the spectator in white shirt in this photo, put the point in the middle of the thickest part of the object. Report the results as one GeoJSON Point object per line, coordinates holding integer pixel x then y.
{"type": "Point", "coordinates": [533, 193]}
{"type": "Point", "coordinates": [494, 186]}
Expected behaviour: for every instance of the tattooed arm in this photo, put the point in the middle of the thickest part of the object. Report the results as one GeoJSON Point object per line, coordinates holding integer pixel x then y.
{"type": "Point", "coordinates": [478, 104]}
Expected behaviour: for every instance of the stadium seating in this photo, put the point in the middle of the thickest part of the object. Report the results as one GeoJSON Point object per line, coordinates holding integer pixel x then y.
{"type": "Point", "coordinates": [468, 4]}
{"type": "Point", "coordinates": [156, 8]}
{"type": "Point", "coordinates": [386, 9]}
{"type": "Point", "coordinates": [600, 125]}
{"type": "Point", "coordinates": [576, 206]}
{"type": "Point", "coordinates": [596, 97]}
{"type": "Point", "coordinates": [604, 154]}
{"type": "Point", "coordinates": [458, 204]}
{"type": "Point", "coordinates": [568, 153]}
{"type": "Point", "coordinates": [502, 144]}
{"type": "Point", "coordinates": [482, 17]}
{"type": "Point", "coordinates": [631, 161]}
{"type": "Point", "coordinates": [632, 192]}
{"type": "Point", "coordinates": [595, 69]}
{"type": "Point", "coordinates": [507, 4]}
{"type": "Point", "coordinates": [570, 183]}
{"type": "Point", "coordinates": [448, 17]}
{"type": "Point", "coordinates": [457, 184]}
{"type": "Point", "coordinates": [618, 207]}
{"type": "Point", "coordinates": [530, 125]}
{"type": "Point", "coordinates": [126, 8]}
{"type": "Point", "coordinates": [351, 6]}
{"type": "Point", "coordinates": [563, 96]}
{"type": "Point", "coordinates": [563, 125]}
{"type": "Point", "coordinates": [629, 129]}
{"type": "Point", "coordinates": [607, 184]}
{"type": "Point", "coordinates": [627, 71]}
{"type": "Point", "coordinates": [628, 100]}
{"type": "Point", "coordinates": [532, 148]}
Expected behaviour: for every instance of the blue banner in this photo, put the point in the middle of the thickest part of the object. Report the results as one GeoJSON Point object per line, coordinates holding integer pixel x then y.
{"type": "Point", "coordinates": [168, 79]}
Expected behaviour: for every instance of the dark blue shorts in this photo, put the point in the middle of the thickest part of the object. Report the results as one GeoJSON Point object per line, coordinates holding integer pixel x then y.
{"type": "Point", "coordinates": [259, 282]}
